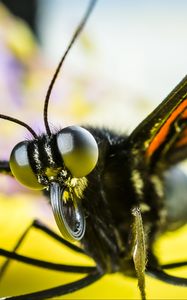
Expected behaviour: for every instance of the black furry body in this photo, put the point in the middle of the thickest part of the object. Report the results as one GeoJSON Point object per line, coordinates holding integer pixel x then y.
{"type": "Point", "coordinates": [109, 200]}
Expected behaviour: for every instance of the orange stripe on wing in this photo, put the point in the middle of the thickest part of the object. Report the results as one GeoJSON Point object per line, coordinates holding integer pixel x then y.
{"type": "Point", "coordinates": [161, 135]}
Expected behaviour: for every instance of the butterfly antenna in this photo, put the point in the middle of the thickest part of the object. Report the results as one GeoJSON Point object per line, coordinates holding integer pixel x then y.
{"type": "Point", "coordinates": [20, 123]}
{"type": "Point", "coordinates": [74, 37]}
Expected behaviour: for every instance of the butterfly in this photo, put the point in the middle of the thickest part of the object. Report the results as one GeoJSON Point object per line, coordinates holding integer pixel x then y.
{"type": "Point", "coordinates": [110, 192]}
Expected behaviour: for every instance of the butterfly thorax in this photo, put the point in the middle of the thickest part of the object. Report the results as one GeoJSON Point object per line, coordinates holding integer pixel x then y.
{"type": "Point", "coordinates": [114, 188]}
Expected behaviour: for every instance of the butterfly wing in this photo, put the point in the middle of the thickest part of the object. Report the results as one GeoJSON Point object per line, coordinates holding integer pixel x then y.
{"type": "Point", "coordinates": [162, 136]}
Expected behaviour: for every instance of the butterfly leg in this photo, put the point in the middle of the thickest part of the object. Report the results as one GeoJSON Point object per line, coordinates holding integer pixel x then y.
{"type": "Point", "coordinates": [155, 270]}
{"type": "Point", "coordinates": [158, 273]}
{"type": "Point", "coordinates": [174, 265]}
{"type": "Point", "coordinates": [60, 290]}
{"type": "Point", "coordinates": [43, 228]}
{"type": "Point", "coordinates": [45, 264]}
{"type": "Point", "coordinates": [94, 274]}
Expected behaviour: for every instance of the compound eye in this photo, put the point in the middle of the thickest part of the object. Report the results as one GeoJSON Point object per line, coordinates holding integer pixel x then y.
{"type": "Point", "coordinates": [78, 150]}
{"type": "Point", "coordinates": [20, 167]}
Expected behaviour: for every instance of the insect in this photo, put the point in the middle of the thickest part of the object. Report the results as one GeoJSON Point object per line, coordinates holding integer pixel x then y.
{"type": "Point", "coordinates": [107, 191]}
